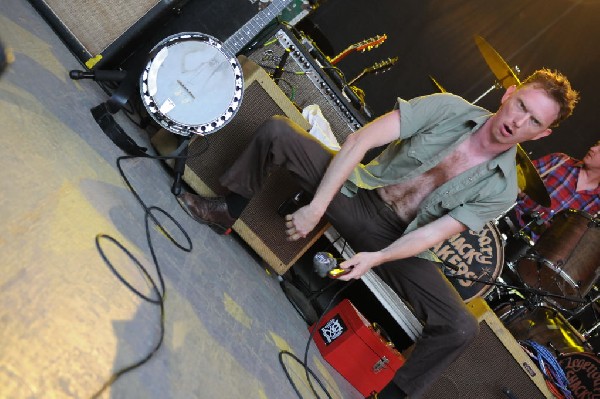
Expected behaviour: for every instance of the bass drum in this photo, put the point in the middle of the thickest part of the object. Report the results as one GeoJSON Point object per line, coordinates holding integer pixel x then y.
{"type": "Point", "coordinates": [190, 85]}
{"type": "Point", "coordinates": [583, 373]}
{"type": "Point", "coordinates": [566, 258]}
{"type": "Point", "coordinates": [476, 255]}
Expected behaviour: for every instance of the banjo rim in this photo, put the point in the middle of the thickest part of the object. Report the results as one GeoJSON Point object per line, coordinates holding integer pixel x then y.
{"type": "Point", "coordinates": [180, 127]}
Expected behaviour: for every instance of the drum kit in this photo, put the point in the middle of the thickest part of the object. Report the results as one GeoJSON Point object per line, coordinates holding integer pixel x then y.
{"type": "Point", "coordinates": [536, 289]}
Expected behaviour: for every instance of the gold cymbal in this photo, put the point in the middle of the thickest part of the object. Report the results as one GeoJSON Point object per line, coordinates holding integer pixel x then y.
{"type": "Point", "coordinates": [440, 88]}
{"type": "Point", "coordinates": [499, 67]}
{"type": "Point", "coordinates": [529, 180]}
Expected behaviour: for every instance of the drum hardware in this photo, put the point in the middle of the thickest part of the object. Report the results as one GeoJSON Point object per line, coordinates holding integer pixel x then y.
{"type": "Point", "coordinates": [591, 332]}
{"type": "Point", "coordinates": [516, 242]}
{"type": "Point", "coordinates": [502, 285]}
{"type": "Point", "coordinates": [590, 302]}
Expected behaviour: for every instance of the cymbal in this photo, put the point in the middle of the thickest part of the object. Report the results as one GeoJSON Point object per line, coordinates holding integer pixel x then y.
{"type": "Point", "coordinates": [505, 75]}
{"type": "Point", "coordinates": [529, 180]}
{"type": "Point", "coordinates": [440, 88]}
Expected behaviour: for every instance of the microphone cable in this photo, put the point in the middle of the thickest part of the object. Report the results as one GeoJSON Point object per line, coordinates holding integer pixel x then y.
{"type": "Point", "coordinates": [304, 362]}
{"type": "Point", "coordinates": [158, 290]}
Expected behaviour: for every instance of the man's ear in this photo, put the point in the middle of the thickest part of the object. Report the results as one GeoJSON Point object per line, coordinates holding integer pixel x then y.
{"type": "Point", "coordinates": [542, 134]}
{"type": "Point", "coordinates": [510, 90]}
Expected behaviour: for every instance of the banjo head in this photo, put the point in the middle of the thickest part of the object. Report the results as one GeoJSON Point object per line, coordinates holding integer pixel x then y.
{"type": "Point", "coordinates": [190, 85]}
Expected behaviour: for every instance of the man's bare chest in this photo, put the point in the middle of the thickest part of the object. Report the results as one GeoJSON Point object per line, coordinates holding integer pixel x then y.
{"type": "Point", "coordinates": [406, 197]}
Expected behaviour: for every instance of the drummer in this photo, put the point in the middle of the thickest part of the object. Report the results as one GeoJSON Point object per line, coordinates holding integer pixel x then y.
{"type": "Point", "coordinates": [571, 184]}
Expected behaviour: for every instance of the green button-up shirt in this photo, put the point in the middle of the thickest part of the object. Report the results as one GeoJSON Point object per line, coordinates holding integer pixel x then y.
{"type": "Point", "coordinates": [431, 127]}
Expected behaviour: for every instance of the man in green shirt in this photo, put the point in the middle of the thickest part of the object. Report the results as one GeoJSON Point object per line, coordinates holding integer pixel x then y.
{"type": "Point", "coordinates": [448, 166]}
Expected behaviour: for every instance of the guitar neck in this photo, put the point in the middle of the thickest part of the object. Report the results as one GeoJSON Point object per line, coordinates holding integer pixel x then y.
{"type": "Point", "coordinates": [339, 57]}
{"type": "Point", "coordinates": [246, 33]}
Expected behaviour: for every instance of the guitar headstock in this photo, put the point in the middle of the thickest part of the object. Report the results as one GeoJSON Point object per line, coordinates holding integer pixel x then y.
{"type": "Point", "coordinates": [370, 44]}
{"type": "Point", "coordinates": [382, 66]}
{"type": "Point", "coordinates": [365, 45]}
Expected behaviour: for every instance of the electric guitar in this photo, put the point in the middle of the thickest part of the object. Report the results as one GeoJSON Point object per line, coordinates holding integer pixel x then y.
{"type": "Point", "coordinates": [378, 67]}
{"type": "Point", "coordinates": [365, 45]}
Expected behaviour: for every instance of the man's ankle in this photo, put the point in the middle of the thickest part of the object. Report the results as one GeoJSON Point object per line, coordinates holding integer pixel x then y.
{"type": "Point", "coordinates": [236, 204]}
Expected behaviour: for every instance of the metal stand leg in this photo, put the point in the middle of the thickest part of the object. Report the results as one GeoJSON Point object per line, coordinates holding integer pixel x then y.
{"type": "Point", "coordinates": [181, 156]}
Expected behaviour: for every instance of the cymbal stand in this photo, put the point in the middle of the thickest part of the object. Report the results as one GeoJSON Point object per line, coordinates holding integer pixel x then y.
{"type": "Point", "coordinates": [497, 85]}
{"type": "Point", "coordinates": [180, 155]}
{"type": "Point", "coordinates": [590, 303]}
{"type": "Point", "coordinates": [488, 91]}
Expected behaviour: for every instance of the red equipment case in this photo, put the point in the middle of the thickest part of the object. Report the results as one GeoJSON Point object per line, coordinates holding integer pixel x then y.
{"type": "Point", "coordinates": [352, 346]}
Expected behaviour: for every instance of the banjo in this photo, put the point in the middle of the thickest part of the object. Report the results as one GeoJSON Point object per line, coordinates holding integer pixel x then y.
{"type": "Point", "coordinates": [193, 83]}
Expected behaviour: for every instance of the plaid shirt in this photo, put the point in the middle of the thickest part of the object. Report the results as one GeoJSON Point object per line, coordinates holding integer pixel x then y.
{"type": "Point", "coordinates": [559, 173]}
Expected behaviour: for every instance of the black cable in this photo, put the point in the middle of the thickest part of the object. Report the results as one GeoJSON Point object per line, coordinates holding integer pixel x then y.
{"type": "Point", "coordinates": [159, 292]}
{"type": "Point", "coordinates": [304, 363]}
{"type": "Point", "coordinates": [289, 377]}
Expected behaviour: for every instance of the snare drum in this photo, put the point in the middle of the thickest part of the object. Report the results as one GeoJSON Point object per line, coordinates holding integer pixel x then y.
{"type": "Point", "coordinates": [566, 258]}
{"type": "Point", "coordinates": [477, 255]}
{"type": "Point", "coordinates": [190, 85]}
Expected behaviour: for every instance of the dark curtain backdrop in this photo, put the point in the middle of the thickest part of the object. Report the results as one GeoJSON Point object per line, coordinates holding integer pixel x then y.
{"type": "Point", "coordinates": [435, 37]}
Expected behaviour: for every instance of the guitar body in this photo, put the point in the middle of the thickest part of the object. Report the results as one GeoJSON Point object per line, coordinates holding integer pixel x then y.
{"type": "Point", "coordinates": [190, 85]}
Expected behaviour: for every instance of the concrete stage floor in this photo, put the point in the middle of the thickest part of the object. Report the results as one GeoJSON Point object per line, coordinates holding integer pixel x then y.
{"type": "Point", "coordinates": [67, 322]}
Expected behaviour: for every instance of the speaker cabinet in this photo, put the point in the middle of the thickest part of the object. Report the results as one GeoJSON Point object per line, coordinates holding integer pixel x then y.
{"type": "Point", "coordinates": [492, 365]}
{"type": "Point", "coordinates": [90, 28]}
{"type": "Point", "coordinates": [259, 225]}
{"type": "Point", "coordinates": [113, 34]}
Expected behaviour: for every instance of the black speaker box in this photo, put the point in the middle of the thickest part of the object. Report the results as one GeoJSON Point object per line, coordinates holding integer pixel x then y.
{"type": "Point", "coordinates": [92, 29]}
{"type": "Point", "coordinates": [260, 225]}
{"type": "Point", "coordinates": [494, 366]}
{"type": "Point", "coordinates": [113, 34]}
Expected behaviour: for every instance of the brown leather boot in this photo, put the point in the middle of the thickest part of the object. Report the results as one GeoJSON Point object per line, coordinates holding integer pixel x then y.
{"type": "Point", "coordinates": [210, 211]}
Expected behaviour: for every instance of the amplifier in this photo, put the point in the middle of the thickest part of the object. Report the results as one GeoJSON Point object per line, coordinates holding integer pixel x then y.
{"type": "Point", "coordinates": [356, 349]}
{"type": "Point", "coordinates": [260, 225]}
{"type": "Point", "coordinates": [305, 82]}
{"type": "Point", "coordinates": [91, 29]}
{"type": "Point", "coordinates": [494, 366]}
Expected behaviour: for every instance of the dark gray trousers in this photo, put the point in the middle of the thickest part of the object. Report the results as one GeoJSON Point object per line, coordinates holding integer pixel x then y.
{"type": "Point", "coordinates": [368, 224]}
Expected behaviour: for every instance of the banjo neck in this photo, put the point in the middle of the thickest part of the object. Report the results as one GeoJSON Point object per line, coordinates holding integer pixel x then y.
{"type": "Point", "coordinates": [253, 27]}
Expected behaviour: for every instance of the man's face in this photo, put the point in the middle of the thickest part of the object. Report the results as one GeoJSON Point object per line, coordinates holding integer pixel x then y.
{"type": "Point", "coordinates": [525, 114]}
{"type": "Point", "coordinates": [592, 158]}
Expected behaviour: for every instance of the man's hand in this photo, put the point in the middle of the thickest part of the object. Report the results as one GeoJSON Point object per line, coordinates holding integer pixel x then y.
{"type": "Point", "coordinates": [300, 223]}
{"type": "Point", "coordinates": [360, 263]}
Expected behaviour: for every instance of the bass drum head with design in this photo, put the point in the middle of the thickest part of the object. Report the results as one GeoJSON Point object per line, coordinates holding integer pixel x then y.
{"type": "Point", "coordinates": [583, 373]}
{"type": "Point", "coordinates": [477, 255]}
{"type": "Point", "coordinates": [190, 86]}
